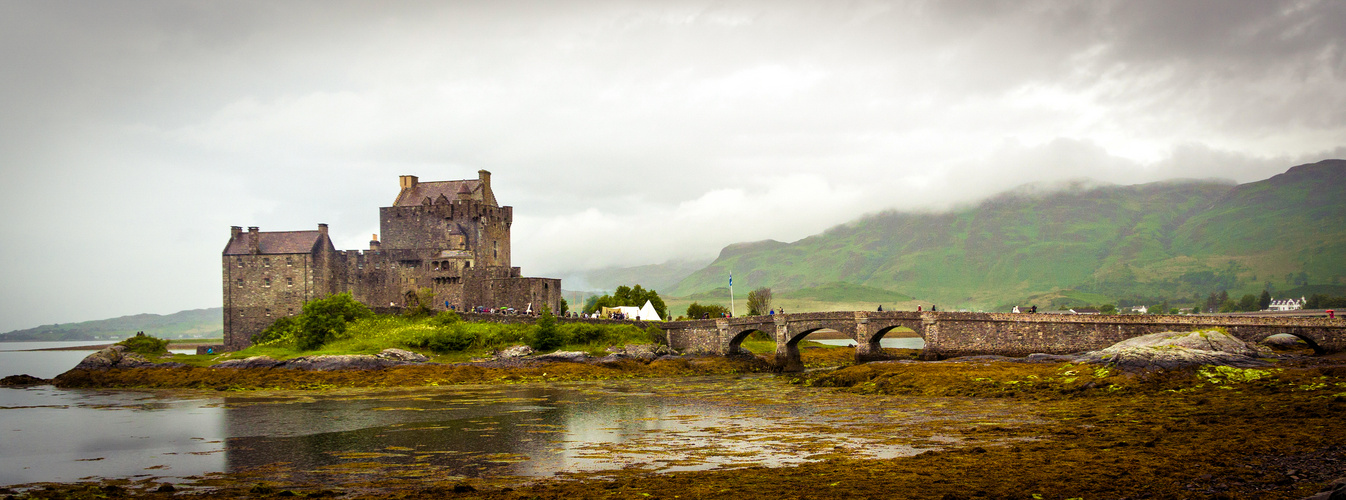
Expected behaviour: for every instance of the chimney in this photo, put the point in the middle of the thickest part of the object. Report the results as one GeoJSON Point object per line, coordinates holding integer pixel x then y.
{"type": "Point", "coordinates": [407, 182]}
{"type": "Point", "coordinates": [235, 232]}
{"type": "Point", "coordinates": [322, 229]}
{"type": "Point", "coordinates": [254, 240]}
{"type": "Point", "coordinates": [374, 244]}
{"type": "Point", "coordinates": [484, 177]}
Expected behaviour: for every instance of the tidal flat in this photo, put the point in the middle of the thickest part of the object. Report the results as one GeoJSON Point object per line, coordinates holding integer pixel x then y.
{"type": "Point", "coordinates": [984, 429]}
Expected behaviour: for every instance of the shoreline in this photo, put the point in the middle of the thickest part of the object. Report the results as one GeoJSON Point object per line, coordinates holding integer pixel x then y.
{"type": "Point", "coordinates": [1099, 435]}
{"type": "Point", "coordinates": [99, 347]}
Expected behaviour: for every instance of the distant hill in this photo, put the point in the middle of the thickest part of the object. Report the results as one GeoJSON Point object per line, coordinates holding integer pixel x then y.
{"type": "Point", "coordinates": [195, 323]}
{"type": "Point", "coordinates": [1174, 240]}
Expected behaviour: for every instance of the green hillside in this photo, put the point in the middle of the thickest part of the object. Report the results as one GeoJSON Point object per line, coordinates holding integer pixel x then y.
{"type": "Point", "coordinates": [1169, 240]}
{"type": "Point", "coordinates": [195, 323]}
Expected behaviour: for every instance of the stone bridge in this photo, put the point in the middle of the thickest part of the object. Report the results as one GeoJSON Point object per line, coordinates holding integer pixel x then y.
{"type": "Point", "coordinates": [951, 334]}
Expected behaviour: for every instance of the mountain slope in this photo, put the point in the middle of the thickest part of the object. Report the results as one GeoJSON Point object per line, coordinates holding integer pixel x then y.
{"type": "Point", "coordinates": [194, 323]}
{"type": "Point", "coordinates": [1169, 239]}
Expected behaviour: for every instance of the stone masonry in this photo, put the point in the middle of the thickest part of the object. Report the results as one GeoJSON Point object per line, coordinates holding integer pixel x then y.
{"type": "Point", "coordinates": [951, 334]}
{"type": "Point", "coordinates": [449, 236]}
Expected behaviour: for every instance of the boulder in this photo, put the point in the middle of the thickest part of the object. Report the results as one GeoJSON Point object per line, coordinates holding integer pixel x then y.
{"type": "Point", "coordinates": [640, 351]}
{"type": "Point", "coordinates": [517, 351]}
{"type": "Point", "coordinates": [103, 359]}
{"type": "Point", "coordinates": [403, 355]}
{"type": "Point", "coordinates": [1169, 350]}
{"type": "Point", "coordinates": [570, 356]}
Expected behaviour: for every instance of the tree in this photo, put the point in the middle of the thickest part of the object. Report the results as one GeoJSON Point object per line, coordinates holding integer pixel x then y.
{"type": "Point", "coordinates": [545, 336]}
{"type": "Point", "coordinates": [627, 296]}
{"type": "Point", "coordinates": [1107, 309]}
{"type": "Point", "coordinates": [565, 306]}
{"type": "Point", "coordinates": [1248, 303]}
{"type": "Point", "coordinates": [759, 301]}
{"type": "Point", "coordinates": [1265, 301]}
{"type": "Point", "coordinates": [698, 311]}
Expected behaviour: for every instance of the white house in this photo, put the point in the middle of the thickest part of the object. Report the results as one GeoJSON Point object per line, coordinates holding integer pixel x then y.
{"type": "Point", "coordinates": [1286, 304]}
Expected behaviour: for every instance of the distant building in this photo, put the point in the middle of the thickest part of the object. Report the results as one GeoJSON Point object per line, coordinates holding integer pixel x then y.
{"type": "Point", "coordinates": [1286, 304]}
{"type": "Point", "coordinates": [1138, 310]}
{"type": "Point", "coordinates": [449, 236]}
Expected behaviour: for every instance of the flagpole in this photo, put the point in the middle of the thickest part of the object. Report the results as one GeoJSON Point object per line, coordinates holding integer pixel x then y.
{"type": "Point", "coordinates": [731, 295]}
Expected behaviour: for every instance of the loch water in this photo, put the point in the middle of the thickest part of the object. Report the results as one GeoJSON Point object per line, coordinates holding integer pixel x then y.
{"type": "Point", "coordinates": [484, 432]}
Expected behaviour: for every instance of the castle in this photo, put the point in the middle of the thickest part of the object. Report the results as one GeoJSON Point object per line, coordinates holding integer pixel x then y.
{"type": "Point", "coordinates": [449, 236]}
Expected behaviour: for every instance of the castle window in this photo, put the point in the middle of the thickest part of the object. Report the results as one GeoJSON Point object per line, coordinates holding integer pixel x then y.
{"type": "Point", "coordinates": [266, 281]}
{"type": "Point", "coordinates": [266, 262]}
{"type": "Point", "coordinates": [289, 281]}
{"type": "Point", "coordinates": [240, 282]}
{"type": "Point", "coordinates": [289, 261]}
{"type": "Point", "coordinates": [240, 261]}
{"type": "Point", "coordinates": [268, 311]}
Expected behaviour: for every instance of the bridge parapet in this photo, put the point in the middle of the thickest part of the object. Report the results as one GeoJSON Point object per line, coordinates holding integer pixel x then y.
{"type": "Point", "coordinates": [949, 334]}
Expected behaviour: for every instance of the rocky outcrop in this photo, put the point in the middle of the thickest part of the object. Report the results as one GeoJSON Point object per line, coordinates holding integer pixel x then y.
{"type": "Point", "coordinates": [1169, 350]}
{"type": "Point", "coordinates": [517, 351]}
{"type": "Point", "coordinates": [326, 362]}
{"type": "Point", "coordinates": [570, 356]}
{"type": "Point", "coordinates": [117, 357]}
{"type": "Point", "coordinates": [402, 355]}
{"type": "Point", "coordinates": [22, 381]}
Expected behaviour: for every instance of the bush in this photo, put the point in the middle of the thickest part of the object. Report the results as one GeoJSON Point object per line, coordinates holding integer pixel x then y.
{"type": "Point", "coordinates": [450, 339]}
{"type": "Point", "coordinates": [545, 335]}
{"type": "Point", "coordinates": [711, 311]}
{"type": "Point", "coordinates": [284, 330]}
{"type": "Point", "coordinates": [145, 344]}
{"type": "Point", "coordinates": [323, 320]}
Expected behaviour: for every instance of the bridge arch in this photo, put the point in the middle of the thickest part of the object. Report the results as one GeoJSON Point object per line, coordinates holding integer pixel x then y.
{"type": "Point", "coordinates": [734, 346]}
{"type": "Point", "coordinates": [1308, 339]}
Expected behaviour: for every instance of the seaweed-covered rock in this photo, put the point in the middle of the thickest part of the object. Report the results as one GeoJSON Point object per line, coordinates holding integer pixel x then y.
{"type": "Point", "coordinates": [402, 355]}
{"type": "Point", "coordinates": [252, 362]}
{"type": "Point", "coordinates": [1169, 350]}
{"type": "Point", "coordinates": [339, 362]}
{"type": "Point", "coordinates": [1335, 490]}
{"type": "Point", "coordinates": [22, 380]}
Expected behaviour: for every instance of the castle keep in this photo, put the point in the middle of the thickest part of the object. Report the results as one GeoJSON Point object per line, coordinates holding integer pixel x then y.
{"type": "Point", "coordinates": [449, 236]}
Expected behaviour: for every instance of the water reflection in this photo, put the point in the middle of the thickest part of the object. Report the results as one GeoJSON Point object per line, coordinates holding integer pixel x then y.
{"type": "Point", "coordinates": [479, 432]}
{"type": "Point", "coordinates": [58, 435]}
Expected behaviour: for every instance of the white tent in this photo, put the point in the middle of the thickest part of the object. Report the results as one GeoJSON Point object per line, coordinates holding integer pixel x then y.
{"type": "Point", "coordinates": [648, 313]}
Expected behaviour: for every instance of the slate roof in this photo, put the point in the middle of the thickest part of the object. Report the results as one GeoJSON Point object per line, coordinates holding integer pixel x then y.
{"type": "Point", "coordinates": [275, 242]}
{"type": "Point", "coordinates": [450, 189]}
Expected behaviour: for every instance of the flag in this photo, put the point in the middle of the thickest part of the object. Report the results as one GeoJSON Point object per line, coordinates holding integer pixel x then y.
{"type": "Point", "coordinates": [731, 279]}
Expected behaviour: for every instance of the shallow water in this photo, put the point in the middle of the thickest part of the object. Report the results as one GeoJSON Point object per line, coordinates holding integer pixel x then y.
{"type": "Point", "coordinates": [886, 342]}
{"type": "Point", "coordinates": [490, 432]}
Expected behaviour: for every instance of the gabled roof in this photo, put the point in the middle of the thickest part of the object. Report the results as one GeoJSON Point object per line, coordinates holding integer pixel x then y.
{"type": "Point", "coordinates": [275, 242]}
{"type": "Point", "coordinates": [450, 190]}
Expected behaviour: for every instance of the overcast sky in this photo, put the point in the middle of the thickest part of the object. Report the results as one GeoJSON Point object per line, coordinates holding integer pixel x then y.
{"type": "Point", "coordinates": [133, 134]}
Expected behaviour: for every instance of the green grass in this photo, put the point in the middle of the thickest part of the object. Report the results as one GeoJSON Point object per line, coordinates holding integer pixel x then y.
{"type": "Point", "coordinates": [373, 335]}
